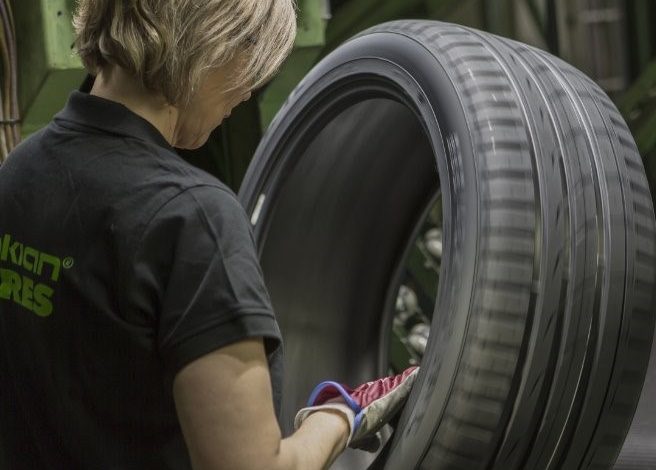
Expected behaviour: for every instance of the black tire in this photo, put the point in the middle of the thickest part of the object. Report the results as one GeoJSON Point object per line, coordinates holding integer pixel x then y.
{"type": "Point", "coordinates": [545, 311]}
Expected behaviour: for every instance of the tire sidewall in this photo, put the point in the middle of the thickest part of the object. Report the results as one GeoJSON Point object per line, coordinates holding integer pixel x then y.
{"type": "Point", "coordinates": [412, 74]}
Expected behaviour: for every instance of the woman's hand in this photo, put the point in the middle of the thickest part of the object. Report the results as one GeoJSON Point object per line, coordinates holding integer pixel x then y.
{"type": "Point", "coordinates": [367, 408]}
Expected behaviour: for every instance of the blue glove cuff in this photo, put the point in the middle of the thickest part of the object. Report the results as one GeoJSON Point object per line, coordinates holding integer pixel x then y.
{"type": "Point", "coordinates": [329, 384]}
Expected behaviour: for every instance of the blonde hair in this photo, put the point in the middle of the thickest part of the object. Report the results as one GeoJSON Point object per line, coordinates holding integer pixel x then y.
{"type": "Point", "coordinates": [171, 45]}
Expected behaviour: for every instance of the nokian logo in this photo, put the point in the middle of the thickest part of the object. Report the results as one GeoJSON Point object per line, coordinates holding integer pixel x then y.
{"type": "Point", "coordinates": [27, 275]}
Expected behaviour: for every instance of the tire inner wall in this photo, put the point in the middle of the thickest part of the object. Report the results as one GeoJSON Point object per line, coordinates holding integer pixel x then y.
{"type": "Point", "coordinates": [341, 219]}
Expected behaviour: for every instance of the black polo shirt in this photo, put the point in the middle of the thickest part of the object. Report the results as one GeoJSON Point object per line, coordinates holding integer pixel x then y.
{"type": "Point", "coordinates": [119, 264]}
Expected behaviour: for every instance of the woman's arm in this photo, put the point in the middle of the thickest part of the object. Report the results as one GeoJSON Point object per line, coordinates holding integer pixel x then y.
{"type": "Point", "coordinates": [225, 407]}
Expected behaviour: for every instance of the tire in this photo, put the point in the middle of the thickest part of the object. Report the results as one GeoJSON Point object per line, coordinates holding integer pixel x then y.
{"type": "Point", "coordinates": [544, 316]}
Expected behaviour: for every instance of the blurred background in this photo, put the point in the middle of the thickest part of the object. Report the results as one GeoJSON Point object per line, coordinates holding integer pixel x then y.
{"type": "Point", "coordinates": [613, 41]}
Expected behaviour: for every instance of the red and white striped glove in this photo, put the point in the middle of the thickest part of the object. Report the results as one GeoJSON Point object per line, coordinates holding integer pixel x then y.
{"type": "Point", "coordinates": [367, 408]}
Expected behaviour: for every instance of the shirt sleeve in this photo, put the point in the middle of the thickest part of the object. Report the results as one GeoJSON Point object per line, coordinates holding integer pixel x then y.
{"type": "Point", "coordinates": [198, 266]}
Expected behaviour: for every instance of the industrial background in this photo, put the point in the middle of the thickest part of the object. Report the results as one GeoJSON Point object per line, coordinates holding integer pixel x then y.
{"type": "Point", "coordinates": [612, 41]}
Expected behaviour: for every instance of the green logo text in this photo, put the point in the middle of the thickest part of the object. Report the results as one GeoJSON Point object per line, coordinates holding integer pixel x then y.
{"type": "Point", "coordinates": [26, 273]}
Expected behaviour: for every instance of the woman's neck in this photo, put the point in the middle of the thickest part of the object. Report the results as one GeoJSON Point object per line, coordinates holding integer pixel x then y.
{"type": "Point", "coordinates": [117, 85]}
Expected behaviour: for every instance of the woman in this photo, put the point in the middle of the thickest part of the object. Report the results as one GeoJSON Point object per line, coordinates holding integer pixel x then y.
{"type": "Point", "coordinates": [136, 328]}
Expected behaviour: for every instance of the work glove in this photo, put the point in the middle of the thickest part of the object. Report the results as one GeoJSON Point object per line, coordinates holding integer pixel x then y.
{"type": "Point", "coordinates": [367, 408]}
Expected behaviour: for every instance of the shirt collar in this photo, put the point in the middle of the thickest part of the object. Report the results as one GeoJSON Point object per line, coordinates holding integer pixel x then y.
{"type": "Point", "coordinates": [85, 111]}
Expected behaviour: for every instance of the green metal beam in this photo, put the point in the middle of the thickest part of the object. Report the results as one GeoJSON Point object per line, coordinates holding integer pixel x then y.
{"type": "Point", "coordinates": [311, 23]}
{"type": "Point", "coordinates": [47, 68]}
{"type": "Point", "coordinates": [310, 40]}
